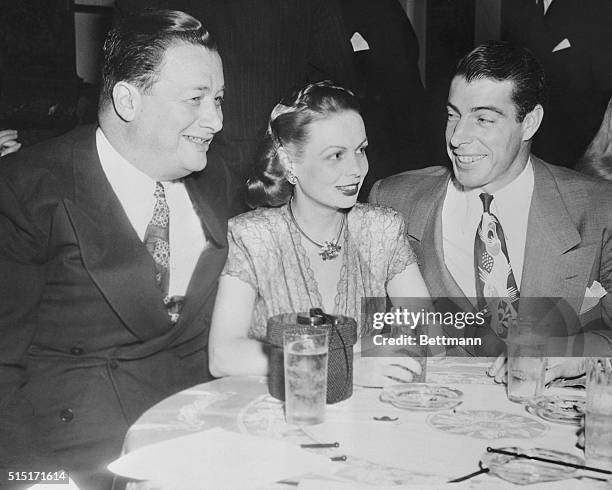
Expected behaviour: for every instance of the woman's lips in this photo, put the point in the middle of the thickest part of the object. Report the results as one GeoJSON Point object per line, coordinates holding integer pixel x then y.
{"type": "Point", "coordinates": [348, 190]}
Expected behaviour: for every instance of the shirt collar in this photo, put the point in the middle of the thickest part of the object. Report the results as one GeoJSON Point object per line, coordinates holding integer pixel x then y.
{"type": "Point", "coordinates": [517, 192]}
{"type": "Point", "coordinates": [116, 166]}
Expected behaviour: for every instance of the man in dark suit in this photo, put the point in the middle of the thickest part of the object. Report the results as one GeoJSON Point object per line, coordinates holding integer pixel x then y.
{"type": "Point", "coordinates": [269, 47]}
{"type": "Point", "coordinates": [572, 40]}
{"type": "Point", "coordinates": [547, 230]}
{"type": "Point", "coordinates": [394, 105]}
{"type": "Point", "coordinates": [111, 242]}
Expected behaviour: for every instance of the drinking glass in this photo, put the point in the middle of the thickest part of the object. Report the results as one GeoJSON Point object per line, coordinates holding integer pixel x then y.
{"type": "Point", "coordinates": [526, 367]}
{"type": "Point", "coordinates": [598, 414]}
{"type": "Point", "coordinates": [305, 358]}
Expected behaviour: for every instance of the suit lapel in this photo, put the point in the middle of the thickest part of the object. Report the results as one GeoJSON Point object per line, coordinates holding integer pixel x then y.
{"type": "Point", "coordinates": [428, 233]}
{"type": "Point", "coordinates": [112, 253]}
{"type": "Point", "coordinates": [554, 265]}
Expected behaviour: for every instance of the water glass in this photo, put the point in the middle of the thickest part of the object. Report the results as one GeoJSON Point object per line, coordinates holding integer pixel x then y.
{"type": "Point", "coordinates": [526, 368]}
{"type": "Point", "coordinates": [305, 358]}
{"type": "Point", "coordinates": [598, 415]}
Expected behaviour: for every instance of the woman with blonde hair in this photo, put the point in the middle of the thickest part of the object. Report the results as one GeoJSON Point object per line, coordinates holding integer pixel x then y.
{"type": "Point", "coordinates": [308, 243]}
{"type": "Point", "coordinates": [597, 159]}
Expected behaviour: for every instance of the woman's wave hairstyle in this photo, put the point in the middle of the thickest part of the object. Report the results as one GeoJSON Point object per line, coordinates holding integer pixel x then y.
{"type": "Point", "coordinates": [288, 129]}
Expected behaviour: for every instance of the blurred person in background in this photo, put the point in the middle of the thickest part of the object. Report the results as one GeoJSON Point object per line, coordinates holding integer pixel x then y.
{"type": "Point", "coordinates": [597, 160]}
{"type": "Point", "coordinates": [572, 41]}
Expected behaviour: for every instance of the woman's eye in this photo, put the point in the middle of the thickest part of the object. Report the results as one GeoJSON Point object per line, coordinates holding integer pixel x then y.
{"type": "Point", "coordinates": [336, 156]}
{"type": "Point", "coordinates": [485, 121]}
{"type": "Point", "coordinates": [362, 150]}
{"type": "Point", "coordinates": [219, 100]}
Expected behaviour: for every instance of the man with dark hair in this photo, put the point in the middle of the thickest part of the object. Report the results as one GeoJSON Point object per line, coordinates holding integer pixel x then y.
{"type": "Point", "coordinates": [503, 223]}
{"type": "Point", "coordinates": [269, 48]}
{"type": "Point", "coordinates": [111, 242]}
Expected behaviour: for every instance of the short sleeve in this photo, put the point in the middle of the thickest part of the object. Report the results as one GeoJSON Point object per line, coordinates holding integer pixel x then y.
{"type": "Point", "coordinates": [239, 262]}
{"type": "Point", "coordinates": [401, 254]}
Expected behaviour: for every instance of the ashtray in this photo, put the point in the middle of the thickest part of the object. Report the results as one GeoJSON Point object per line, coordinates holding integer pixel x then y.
{"type": "Point", "coordinates": [523, 471]}
{"type": "Point", "coordinates": [421, 396]}
{"type": "Point", "coordinates": [563, 410]}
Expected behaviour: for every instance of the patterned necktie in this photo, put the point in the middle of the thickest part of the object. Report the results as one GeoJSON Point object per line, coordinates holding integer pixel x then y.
{"type": "Point", "coordinates": [157, 241]}
{"type": "Point", "coordinates": [494, 277]}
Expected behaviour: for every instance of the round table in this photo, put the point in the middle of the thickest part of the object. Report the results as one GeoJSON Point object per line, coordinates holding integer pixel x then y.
{"type": "Point", "coordinates": [383, 445]}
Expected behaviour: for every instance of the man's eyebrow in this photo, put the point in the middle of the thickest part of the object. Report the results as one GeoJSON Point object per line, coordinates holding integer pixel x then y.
{"type": "Point", "coordinates": [453, 107]}
{"type": "Point", "coordinates": [478, 108]}
{"type": "Point", "coordinates": [488, 108]}
{"type": "Point", "coordinates": [207, 88]}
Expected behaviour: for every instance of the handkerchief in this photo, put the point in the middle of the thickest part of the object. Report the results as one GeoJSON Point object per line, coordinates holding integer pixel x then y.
{"type": "Point", "coordinates": [359, 43]}
{"type": "Point", "coordinates": [562, 45]}
{"type": "Point", "coordinates": [592, 296]}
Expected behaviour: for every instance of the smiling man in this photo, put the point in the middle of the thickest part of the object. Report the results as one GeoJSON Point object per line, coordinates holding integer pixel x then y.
{"type": "Point", "coordinates": [111, 242]}
{"type": "Point", "coordinates": [504, 224]}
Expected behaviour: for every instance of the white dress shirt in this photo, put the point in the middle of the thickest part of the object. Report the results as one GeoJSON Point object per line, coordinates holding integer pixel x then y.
{"type": "Point", "coordinates": [546, 4]}
{"type": "Point", "coordinates": [461, 214]}
{"type": "Point", "coordinates": [135, 190]}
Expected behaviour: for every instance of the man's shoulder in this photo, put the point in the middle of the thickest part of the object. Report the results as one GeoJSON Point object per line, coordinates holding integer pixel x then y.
{"type": "Point", "coordinates": [46, 165]}
{"type": "Point", "coordinates": [569, 181]}
{"type": "Point", "coordinates": [408, 185]}
{"type": "Point", "coordinates": [587, 199]}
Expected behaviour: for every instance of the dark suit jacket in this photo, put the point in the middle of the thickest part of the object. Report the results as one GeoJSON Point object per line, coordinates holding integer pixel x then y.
{"type": "Point", "coordinates": [268, 48]}
{"type": "Point", "coordinates": [394, 105]}
{"type": "Point", "coordinates": [579, 77]}
{"type": "Point", "coordinates": [569, 234]}
{"type": "Point", "coordinates": [86, 344]}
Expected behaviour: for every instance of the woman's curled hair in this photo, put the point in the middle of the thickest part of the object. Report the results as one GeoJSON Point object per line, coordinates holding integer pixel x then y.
{"type": "Point", "coordinates": [288, 128]}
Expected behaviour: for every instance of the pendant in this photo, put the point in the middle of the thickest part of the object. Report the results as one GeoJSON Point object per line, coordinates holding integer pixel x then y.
{"type": "Point", "coordinates": [330, 250]}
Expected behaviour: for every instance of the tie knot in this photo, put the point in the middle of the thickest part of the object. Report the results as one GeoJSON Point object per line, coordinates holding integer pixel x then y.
{"type": "Point", "coordinates": [486, 201]}
{"type": "Point", "coordinates": [159, 191]}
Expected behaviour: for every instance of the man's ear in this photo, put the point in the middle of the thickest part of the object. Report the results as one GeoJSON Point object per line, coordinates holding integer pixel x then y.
{"type": "Point", "coordinates": [126, 100]}
{"type": "Point", "coordinates": [532, 122]}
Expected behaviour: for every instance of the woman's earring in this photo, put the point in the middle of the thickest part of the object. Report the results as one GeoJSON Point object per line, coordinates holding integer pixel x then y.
{"type": "Point", "coordinates": [291, 178]}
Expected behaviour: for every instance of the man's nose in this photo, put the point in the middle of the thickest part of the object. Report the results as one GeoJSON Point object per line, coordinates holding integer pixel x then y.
{"type": "Point", "coordinates": [211, 117]}
{"type": "Point", "coordinates": [460, 133]}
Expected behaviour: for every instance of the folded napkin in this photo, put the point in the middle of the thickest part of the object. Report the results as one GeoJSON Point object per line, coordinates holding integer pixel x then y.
{"type": "Point", "coordinates": [219, 459]}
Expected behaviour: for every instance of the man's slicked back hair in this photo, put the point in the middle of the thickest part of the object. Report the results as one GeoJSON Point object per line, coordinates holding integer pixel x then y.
{"type": "Point", "coordinates": [134, 48]}
{"type": "Point", "coordinates": [502, 61]}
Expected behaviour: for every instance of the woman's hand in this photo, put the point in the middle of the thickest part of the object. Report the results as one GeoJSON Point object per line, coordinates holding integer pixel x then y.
{"type": "Point", "coordinates": [565, 367]}
{"type": "Point", "coordinates": [8, 143]}
{"type": "Point", "coordinates": [558, 367]}
{"type": "Point", "coordinates": [385, 371]}
{"type": "Point", "coordinates": [499, 369]}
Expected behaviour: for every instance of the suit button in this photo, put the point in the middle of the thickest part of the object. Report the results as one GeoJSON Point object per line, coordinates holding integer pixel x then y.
{"type": "Point", "coordinates": [76, 351]}
{"type": "Point", "coordinates": [66, 415]}
{"type": "Point", "coordinates": [113, 364]}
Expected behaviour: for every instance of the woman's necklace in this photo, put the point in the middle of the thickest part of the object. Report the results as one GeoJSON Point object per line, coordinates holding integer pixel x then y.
{"type": "Point", "coordinates": [328, 250]}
